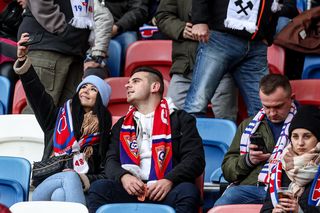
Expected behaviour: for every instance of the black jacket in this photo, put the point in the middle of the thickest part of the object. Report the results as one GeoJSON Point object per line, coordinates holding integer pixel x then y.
{"type": "Point", "coordinates": [128, 15]}
{"type": "Point", "coordinates": [214, 12]}
{"type": "Point", "coordinates": [303, 200]}
{"type": "Point", "coordinates": [71, 41]}
{"type": "Point", "coordinates": [46, 113]}
{"type": "Point", "coordinates": [187, 156]}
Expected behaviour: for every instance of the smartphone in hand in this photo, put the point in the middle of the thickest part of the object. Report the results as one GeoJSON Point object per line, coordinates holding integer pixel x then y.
{"type": "Point", "coordinates": [257, 139]}
{"type": "Point", "coordinates": [33, 39]}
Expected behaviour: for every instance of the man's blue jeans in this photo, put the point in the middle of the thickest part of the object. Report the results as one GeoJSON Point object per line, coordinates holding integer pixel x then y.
{"type": "Point", "coordinates": [63, 186]}
{"type": "Point", "coordinates": [242, 194]}
{"type": "Point", "coordinates": [224, 52]}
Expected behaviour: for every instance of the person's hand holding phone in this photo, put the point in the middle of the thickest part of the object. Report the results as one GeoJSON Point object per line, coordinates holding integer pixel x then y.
{"type": "Point", "coordinates": [257, 156]}
{"type": "Point", "coordinates": [22, 50]}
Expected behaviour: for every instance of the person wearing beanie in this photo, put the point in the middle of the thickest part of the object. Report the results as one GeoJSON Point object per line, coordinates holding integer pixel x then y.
{"type": "Point", "coordinates": [298, 169]}
{"type": "Point", "coordinates": [79, 130]}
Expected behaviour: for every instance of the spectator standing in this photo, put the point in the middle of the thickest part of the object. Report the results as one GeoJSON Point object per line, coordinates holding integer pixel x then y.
{"type": "Point", "coordinates": [58, 57]}
{"type": "Point", "coordinates": [153, 156]}
{"type": "Point", "coordinates": [236, 42]}
{"type": "Point", "coordinates": [173, 19]}
{"type": "Point", "coordinates": [245, 166]}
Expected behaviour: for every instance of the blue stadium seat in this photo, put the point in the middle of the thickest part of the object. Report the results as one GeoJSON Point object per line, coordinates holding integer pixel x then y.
{"type": "Point", "coordinates": [311, 67]}
{"type": "Point", "coordinates": [14, 180]}
{"type": "Point", "coordinates": [114, 58]}
{"type": "Point", "coordinates": [135, 208]}
{"type": "Point", "coordinates": [5, 94]}
{"type": "Point", "coordinates": [217, 135]}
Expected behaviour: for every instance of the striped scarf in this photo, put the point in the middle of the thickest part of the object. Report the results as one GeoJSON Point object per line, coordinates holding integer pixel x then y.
{"type": "Point", "coordinates": [301, 170]}
{"type": "Point", "coordinates": [282, 142]}
{"type": "Point", "coordinates": [64, 141]}
{"type": "Point", "coordinates": [161, 160]}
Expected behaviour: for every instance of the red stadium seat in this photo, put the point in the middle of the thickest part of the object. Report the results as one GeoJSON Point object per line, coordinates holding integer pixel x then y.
{"type": "Point", "coordinates": [118, 105]}
{"type": "Point", "coordinates": [153, 53]}
{"type": "Point", "coordinates": [306, 91]}
{"type": "Point", "coordinates": [276, 59]}
{"type": "Point", "coordinates": [19, 98]}
{"type": "Point", "coordinates": [239, 208]}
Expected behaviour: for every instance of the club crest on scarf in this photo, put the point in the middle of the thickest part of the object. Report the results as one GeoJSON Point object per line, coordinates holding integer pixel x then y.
{"type": "Point", "coordinates": [161, 160]}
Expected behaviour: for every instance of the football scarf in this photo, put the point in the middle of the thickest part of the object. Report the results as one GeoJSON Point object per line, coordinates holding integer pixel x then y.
{"type": "Point", "coordinates": [161, 159]}
{"type": "Point", "coordinates": [82, 14]}
{"type": "Point", "coordinates": [64, 141]}
{"type": "Point", "coordinates": [275, 183]}
{"type": "Point", "coordinates": [282, 142]}
{"type": "Point", "coordinates": [243, 14]}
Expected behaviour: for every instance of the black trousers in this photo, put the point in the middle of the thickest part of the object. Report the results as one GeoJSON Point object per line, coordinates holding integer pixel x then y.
{"type": "Point", "coordinates": [184, 198]}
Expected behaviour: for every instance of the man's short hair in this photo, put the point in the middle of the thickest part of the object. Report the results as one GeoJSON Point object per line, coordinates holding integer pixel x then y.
{"type": "Point", "coordinates": [270, 82]}
{"type": "Point", "coordinates": [154, 75]}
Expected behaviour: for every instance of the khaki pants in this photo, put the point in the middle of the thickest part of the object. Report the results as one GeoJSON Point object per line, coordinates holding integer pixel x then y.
{"type": "Point", "coordinates": [60, 74]}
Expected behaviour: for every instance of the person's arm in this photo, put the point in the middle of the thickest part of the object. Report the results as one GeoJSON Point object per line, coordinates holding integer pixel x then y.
{"type": "Point", "coordinates": [200, 17]}
{"type": "Point", "coordinates": [41, 102]}
{"type": "Point", "coordinates": [48, 15]}
{"type": "Point", "coordinates": [191, 153]}
{"type": "Point", "coordinates": [168, 21]}
{"type": "Point", "coordinates": [289, 9]}
{"type": "Point", "coordinates": [135, 17]}
{"type": "Point", "coordinates": [235, 167]}
{"type": "Point", "coordinates": [103, 27]}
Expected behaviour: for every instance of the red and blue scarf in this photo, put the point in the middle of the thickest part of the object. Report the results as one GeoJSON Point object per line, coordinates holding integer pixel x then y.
{"type": "Point", "coordinates": [161, 160]}
{"type": "Point", "coordinates": [64, 138]}
{"type": "Point", "coordinates": [275, 183]}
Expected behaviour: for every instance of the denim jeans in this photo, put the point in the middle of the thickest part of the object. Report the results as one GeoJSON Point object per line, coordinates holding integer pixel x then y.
{"type": "Point", "coordinates": [63, 186]}
{"type": "Point", "coordinates": [184, 197]}
{"type": "Point", "coordinates": [224, 52]}
{"type": "Point", "coordinates": [224, 101]}
{"type": "Point", "coordinates": [242, 194]}
{"type": "Point", "coordinates": [125, 39]}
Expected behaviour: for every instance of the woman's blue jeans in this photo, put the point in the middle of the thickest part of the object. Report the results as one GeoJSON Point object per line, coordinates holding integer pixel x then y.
{"type": "Point", "coordinates": [63, 186]}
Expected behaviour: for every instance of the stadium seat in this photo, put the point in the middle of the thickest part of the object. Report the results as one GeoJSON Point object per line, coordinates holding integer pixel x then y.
{"type": "Point", "coordinates": [276, 59]}
{"type": "Point", "coordinates": [14, 180]}
{"type": "Point", "coordinates": [19, 98]}
{"type": "Point", "coordinates": [21, 136]}
{"type": "Point", "coordinates": [307, 91]}
{"type": "Point", "coordinates": [217, 135]}
{"type": "Point", "coordinates": [154, 53]}
{"type": "Point", "coordinates": [114, 58]}
{"type": "Point", "coordinates": [118, 105]}
{"type": "Point", "coordinates": [311, 67]}
{"type": "Point", "coordinates": [135, 208]}
{"type": "Point", "coordinates": [48, 207]}
{"type": "Point", "coordinates": [5, 94]}
{"type": "Point", "coordinates": [239, 208]}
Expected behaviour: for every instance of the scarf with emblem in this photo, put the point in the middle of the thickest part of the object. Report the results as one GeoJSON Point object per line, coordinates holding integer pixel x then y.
{"type": "Point", "coordinates": [244, 14]}
{"type": "Point", "coordinates": [282, 142]}
{"type": "Point", "coordinates": [82, 14]}
{"type": "Point", "coordinates": [161, 159]}
{"type": "Point", "coordinates": [64, 141]}
{"type": "Point", "coordinates": [301, 170]}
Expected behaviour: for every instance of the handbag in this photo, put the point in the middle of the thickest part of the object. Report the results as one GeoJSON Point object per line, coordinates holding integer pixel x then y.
{"type": "Point", "coordinates": [302, 34]}
{"type": "Point", "coordinates": [44, 169]}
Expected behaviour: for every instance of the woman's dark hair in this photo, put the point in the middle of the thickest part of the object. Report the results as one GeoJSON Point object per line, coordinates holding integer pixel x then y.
{"type": "Point", "coordinates": [104, 118]}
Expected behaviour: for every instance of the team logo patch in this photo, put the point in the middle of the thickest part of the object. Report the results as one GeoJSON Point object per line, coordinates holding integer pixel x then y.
{"type": "Point", "coordinates": [132, 144]}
